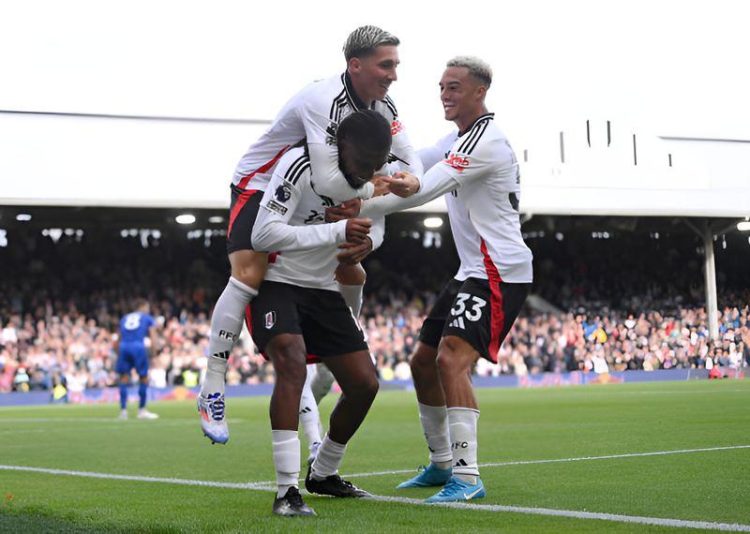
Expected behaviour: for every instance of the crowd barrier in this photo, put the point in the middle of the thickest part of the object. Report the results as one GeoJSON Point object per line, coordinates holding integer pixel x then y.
{"type": "Point", "coordinates": [577, 378]}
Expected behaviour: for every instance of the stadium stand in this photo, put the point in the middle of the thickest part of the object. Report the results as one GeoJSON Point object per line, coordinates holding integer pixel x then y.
{"type": "Point", "coordinates": [596, 307]}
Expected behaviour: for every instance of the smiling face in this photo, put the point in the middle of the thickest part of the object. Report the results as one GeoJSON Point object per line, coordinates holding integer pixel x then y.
{"type": "Point", "coordinates": [462, 96]}
{"type": "Point", "coordinates": [372, 75]}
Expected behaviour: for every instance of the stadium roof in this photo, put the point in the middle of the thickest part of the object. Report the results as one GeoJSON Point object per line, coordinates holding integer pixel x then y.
{"type": "Point", "coordinates": [181, 162]}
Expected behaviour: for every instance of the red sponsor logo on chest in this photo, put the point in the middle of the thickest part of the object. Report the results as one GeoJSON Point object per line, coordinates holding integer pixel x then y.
{"type": "Point", "coordinates": [396, 127]}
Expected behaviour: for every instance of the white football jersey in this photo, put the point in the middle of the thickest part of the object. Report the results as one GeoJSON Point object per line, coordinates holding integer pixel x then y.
{"type": "Point", "coordinates": [291, 227]}
{"type": "Point", "coordinates": [479, 175]}
{"type": "Point", "coordinates": [313, 115]}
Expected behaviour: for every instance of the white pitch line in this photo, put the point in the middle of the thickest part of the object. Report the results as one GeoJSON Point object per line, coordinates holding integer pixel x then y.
{"type": "Point", "coordinates": [575, 514]}
{"type": "Point", "coordinates": [138, 478]}
{"type": "Point", "coordinates": [115, 420]}
{"type": "Point", "coordinates": [563, 460]}
{"type": "Point", "coordinates": [261, 486]}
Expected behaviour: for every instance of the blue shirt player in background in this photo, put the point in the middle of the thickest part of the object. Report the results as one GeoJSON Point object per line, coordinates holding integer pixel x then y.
{"type": "Point", "coordinates": [132, 351]}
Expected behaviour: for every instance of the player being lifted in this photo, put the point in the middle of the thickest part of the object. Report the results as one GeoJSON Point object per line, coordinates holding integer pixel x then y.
{"type": "Point", "coordinates": [312, 115]}
{"type": "Point", "coordinates": [299, 310]}
{"type": "Point", "coordinates": [477, 171]}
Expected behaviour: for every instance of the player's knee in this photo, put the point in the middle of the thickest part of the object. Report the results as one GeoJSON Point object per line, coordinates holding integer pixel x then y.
{"type": "Point", "coordinates": [351, 275]}
{"type": "Point", "coordinates": [249, 267]}
{"type": "Point", "coordinates": [369, 388]}
{"type": "Point", "coordinates": [422, 361]}
{"type": "Point", "coordinates": [364, 387]}
{"type": "Point", "coordinates": [452, 358]}
{"type": "Point", "coordinates": [288, 359]}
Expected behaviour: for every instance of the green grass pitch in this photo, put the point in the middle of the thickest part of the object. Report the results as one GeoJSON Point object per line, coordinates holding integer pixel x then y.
{"type": "Point", "coordinates": [518, 429]}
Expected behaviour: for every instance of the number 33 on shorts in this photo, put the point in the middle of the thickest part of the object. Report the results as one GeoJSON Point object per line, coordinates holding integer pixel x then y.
{"type": "Point", "coordinates": [466, 306]}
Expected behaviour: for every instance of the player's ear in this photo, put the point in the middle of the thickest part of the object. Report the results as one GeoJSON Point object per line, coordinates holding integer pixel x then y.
{"type": "Point", "coordinates": [481, 92]}
{"type": "Point", "coordinates": [354, 65]}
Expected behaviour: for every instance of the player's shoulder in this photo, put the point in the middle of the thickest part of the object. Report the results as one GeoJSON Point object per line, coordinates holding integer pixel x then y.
{"type": "Point", "coordinates": [323, 93]}
{"type": "Point", "coordinates": [483, 138]}
{"type": "Point", "coordinates": [387, 108]}
{"type": "Point", "coordinates": [294, 164]}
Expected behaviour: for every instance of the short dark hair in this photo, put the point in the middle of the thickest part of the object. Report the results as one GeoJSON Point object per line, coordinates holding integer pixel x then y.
{"type": "Point", "coordinates": [364, 40]}
{"type": "Point", "coordinates": [366, 129]}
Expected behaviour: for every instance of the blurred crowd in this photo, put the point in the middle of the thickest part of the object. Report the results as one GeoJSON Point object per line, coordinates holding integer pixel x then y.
{"type": "Point", "coordinates": [60, 305]}
{"type": "Point", "coordinates": [50, 346]}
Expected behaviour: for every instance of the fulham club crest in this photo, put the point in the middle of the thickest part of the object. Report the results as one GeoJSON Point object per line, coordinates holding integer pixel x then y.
{"type": "Point", "coordinates": [270, 319]}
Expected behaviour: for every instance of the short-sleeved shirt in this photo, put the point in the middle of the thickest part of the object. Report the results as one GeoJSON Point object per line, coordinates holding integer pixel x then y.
{"type": "Point", "coordinates": [134, 327]}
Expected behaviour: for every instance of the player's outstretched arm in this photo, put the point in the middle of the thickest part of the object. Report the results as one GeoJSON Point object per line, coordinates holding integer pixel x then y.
{"type": "Point", "coordinates": [436, 182]}
{"type": "Point", "coordinates": [407, 161]}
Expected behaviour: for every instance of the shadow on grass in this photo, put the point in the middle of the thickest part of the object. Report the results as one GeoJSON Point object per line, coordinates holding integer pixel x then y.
{"type": "Point", "coordinates": [33, 520]}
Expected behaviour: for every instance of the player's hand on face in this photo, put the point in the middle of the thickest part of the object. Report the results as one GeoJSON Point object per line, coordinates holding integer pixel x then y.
{"type": "Point", "coordinates": [352, 253]}
{"type": "Point", "coordinates": [357, 230]}
{"type": "Point", "coordinates": [345, 210]}
{"type": "Point", "coordinates": [402, 184]}
{"type": "Point", "coordinates": [381, 185]}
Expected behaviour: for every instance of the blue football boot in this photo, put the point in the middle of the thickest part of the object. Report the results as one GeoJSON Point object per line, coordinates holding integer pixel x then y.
{"type": "Point", "coordinates": [457, 490]}
{"type": "Point", "coordinates": [427, 477]}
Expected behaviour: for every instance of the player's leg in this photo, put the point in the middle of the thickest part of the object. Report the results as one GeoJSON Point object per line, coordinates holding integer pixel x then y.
{"type": "Point", "coordinates": [322, 381]}
{"type": "Point", "coordinates": [123, 368]}
{"type": "Point", "coordinates": [331, 332]}
{"type": "Point", "coordinates": [456, 358]}
{"type": "Point", "coordinates": [248, 268]}
{"type": "Point", "coordinates": [143, 413]}
{"type": "Point", "coordinates": [433, 414]}
{"type": "Point", "coordinates": [483, 314]}
{"type": "Point", "coordinates": [275, 326]}
{"type": "Point", "coordinates": [309, 416]}
{"type": "Point", "coordinates": [141, 367]}
{"type": "Point", "coordinates": [288, 355]}
{"type": "Point", "coordinates": [351, 281]}
{"type": "Point", "coordinates": [357, 377]}
{"type": "Point", "coordinates": [123, 387]}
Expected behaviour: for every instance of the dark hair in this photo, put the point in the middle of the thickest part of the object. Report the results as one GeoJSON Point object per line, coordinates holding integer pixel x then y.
{"type": "Point", "coordinates": [367, 130]}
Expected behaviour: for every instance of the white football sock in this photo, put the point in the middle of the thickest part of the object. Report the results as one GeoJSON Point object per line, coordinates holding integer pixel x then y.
{"type": "Point", "coordinates": [286, 459]}
{"type": "Point", "coordinates": [353, 297]}
{"type": "Point", "coordinates": [226, 325]}
{"type": "Point", "coordinates": [328, 460]}
{"type": "Point", "coordinates": [322, 381]}
{"type": "Point", "coordinates": [309, 417]}
{"type": "Point", "coordinates": [462, 423]}
{"type": "Point", "coordinates": [434, 421]}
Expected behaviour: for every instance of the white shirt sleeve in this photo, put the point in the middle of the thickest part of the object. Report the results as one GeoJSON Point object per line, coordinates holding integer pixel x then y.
{"type": "Point", "coordinates": [432, 155]}
{"type": "Point", "coordinates": [401, 147]}
{"type": "Point", "coordinates": [272, 231]}
{"type": "Point", "coordinates": [377, 232]}
{"type": "Point", "coordinates": [447, 175]}
{"type": "Point", "coordinates": [324, 155]}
